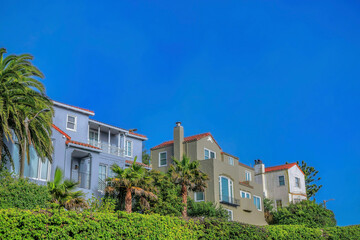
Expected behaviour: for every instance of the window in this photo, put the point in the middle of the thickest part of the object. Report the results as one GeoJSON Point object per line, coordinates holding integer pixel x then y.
{"type": "Point", "coordinates": [209, 154]}
{"type": "Point", "coordinates": [93, 136]}
{"type": "Point", "coordinates": [226, 189]}
{"type": "Point", "coordinates": [245, 194]}
{"type": "Point", "coordinates": [281, 181]}
{"type": "Point", "coordinates": [257, 202]}
{"type": "Point", "coordinates": [297, 200]}
{"type": "Point", "coordinates": [36, 169]}
{"type": "Point", "coordinates": [297, 182]}
{"type": "Point", "coordinates": [231, 161]}
{"type": "Point", "coordinates": [71, 123]}
{"type": "Point", "coordinates": [247, 176]}
{"type": "Point", "coordinates": [128, 148]}
{"type": "Point", "coordinates": [162, 159]}
{"type": "Point", "coordinates": [199, 196]}
{"type": "Point", "coordinates": [278, 204]}
{"type": "Point", "coordinates": [230, 214]}
{"type": "Point", "coordinates": [102, 177]}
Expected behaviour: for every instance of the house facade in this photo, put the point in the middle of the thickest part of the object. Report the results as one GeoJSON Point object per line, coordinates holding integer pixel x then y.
{"type": "Point", "coordinates": [85, 149]}
{"type": "Point", "coordinates": [284, 184]}
{"type": "Point", "coordinates": [232, 184]}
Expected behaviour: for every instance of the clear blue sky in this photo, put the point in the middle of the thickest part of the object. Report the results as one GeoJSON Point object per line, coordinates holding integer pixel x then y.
{"type": "Point", "coordinates": [275, 80]}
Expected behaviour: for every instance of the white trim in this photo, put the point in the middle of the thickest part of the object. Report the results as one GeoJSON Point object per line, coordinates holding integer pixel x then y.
{"type": "Point", "coordinates": [210, 151]}
{"type": "Point", "coordinates": [75, 122]}
{"type": "Point", "coordinates": [160, 159]}
{"type": "Point", "coordinates": [247, 172]}
{"type": "Point", "coordinates": [195, 193]}
{"type": "Point", "coordinates": [241, 191]}
{"type": "Point", "coordinates": [231, 218]}
{"type": "Point", "coordinates": [260, 202]}
{"type": "Point", "coordinates": [230, 188]}
{"type": "Point", "coordinates": [72, 108]}
{"type": "Point", "coordinates": [126, 148]}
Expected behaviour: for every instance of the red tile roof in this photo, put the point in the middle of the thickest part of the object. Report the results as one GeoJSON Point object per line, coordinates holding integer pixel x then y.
{"type": "Point", "coordinates": [86, 110]}
{"type": "Point", "coordinates": [186, 139]}
{"type": "Point", "coordinates": [142, 164]}
{"type": "Point", "coordinates": [282, 167]}
{"type": "Point", "coordinates": [81, 144]}
{"type": "Point", "coordinates": [136, 134]}
{"type": "Point", "coordinates": [61, 131]}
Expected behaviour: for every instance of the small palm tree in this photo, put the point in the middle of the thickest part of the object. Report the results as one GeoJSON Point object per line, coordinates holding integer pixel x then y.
{"type": "Point", "coordinates": [188, 175]}
{"type": "Point", "coordinates": [132, 180]}
{"type": "Point", "coordinates": [62, 192]}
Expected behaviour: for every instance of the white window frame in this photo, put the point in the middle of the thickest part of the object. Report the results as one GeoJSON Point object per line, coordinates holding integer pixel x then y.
{"type": "Point", "coordinates": [297, 182]}
{"type": "Point", "coordinates": [230, 188]}
{"type": "Point", "coordinates": [160, 159]}
{"type": "Point", "coordinates": [210, 151]}
{"type": "Point", "coordinates": [259, 202]}
{"type": "Point", "coordinates": [75, 122]}
{"type": "Point", "coordinates": [106, 174]}
{"type": "Point", "coordinates": [247, 173]}
{"type": "Point", "coordinates": [39, 171]}
{"type": "Point", "coordinates": [245, 194]}
{"type": "Point", "coordinates": [279, 180]}
{"type": "Point", "coordinates": [195, 198]}
{"type": "Point", "coordinates": [126, 148]}
{"type": "Point", "coordinates": [231, 161]}
{"type": "Point", "coordinates": [231, 215]}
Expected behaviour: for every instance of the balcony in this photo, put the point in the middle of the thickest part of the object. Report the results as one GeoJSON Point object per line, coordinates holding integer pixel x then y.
{"type": "Point", "coordinates": [107, 148]}
{"type": "Point", "coordinates": [229, 201]}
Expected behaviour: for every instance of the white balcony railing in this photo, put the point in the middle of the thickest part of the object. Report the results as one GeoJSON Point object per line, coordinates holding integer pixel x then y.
{"type": "Point", "coordinates": [105, 147]}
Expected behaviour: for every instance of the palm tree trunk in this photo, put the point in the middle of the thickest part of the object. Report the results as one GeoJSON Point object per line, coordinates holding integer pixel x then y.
{"type": "Point", "coordinates": [184, 194]}
{"type": "Point", "coordinates": [128, 200]}
{"type": "Point", "coordinates": [22, 160]}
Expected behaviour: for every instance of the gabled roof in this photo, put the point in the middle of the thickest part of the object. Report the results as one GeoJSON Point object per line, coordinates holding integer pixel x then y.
{"type": "Point", "coordinates": [56, 103]}
{"type": "Point", "coordinates": [186, 139]}
{"type": "Point", "coordinates": [282, 167]}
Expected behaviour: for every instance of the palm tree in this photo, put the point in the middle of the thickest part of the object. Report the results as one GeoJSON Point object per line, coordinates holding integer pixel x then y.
{"type": "Point", "coordinates": [20, 90]}
{"type": "Point", "coordinates": [62, 192]}
{"type": "Point", "coordinates": [132, 180]}
{"type": "Point", "coordinates": [188, 175]}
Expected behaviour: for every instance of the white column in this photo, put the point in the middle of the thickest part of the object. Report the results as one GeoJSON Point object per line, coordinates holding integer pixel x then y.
{"type": "Point", "coordinates": [118, 144]}
{"type": "Point", "coordinates": [109, 141]}
{"type": "Point", "coordinates": [88, 133]}
{"type": "Point", "coordinates": [124, 143]}
{"type": "Point", "coordinates": [99, 145]}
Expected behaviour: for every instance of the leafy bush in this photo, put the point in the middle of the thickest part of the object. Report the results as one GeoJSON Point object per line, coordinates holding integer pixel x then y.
{"type": "Point", "coordinates": [306, 213]}
{"type": "Point", "coordinates": [21, 193]}
{"type": "Point", "coordinates": [340, 233]}
{"type": "Point", "coordinates": [206, 209]}
{"type": "Point", "coordinates": [286, 232]}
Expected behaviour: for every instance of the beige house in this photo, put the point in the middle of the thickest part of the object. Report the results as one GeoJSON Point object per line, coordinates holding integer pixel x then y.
{"type": "Point", "coordinates": [284, 184]}
{"type": "Point", "coordinates": [232, 184]}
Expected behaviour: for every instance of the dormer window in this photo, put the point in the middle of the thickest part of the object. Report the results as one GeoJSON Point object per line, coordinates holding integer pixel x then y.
{"type": "Point", "coordinates": [209, 154]}
{"type": "Point", "coordinates": [71, 123]}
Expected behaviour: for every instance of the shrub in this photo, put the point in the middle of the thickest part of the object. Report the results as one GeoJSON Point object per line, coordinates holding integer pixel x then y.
{"type": "Point", "coordinates": [347, 233]}
{"type": "Point", "coordinates": [206, 209]}
{"type": "Point", "coordinates": [306, 213]}
{"type": "Point", "coordinates": [286, 232]}
{"type": "Point", "coordinates": [21, 193]}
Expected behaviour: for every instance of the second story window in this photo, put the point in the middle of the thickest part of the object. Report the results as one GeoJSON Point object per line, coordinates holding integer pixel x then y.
{"type": "Point", "coordinates": [247, 176]}
{"type": "Point", "coordinates": [71, 123]}
{"type": "Point", "coordinates": [257, 202]}
{"type": "Point", "coordinates": [128, 148]}
{"type": "Point", "coordinates": [231, 161]}
{"type": "Point", "coordinates": [297, 182]}
{"type": "Point", "coordinates": [162, 159]}
{"type": "Point", "coordinates": [226, 189]}
{"type": "Point", "coordinates": [209, 154]}
{"type": "Point", "coordinates": [93, 136]}
{"type": "Point", "coordinates": [281, 181]}
{"type": "Point", "coordinates": [245, 194]}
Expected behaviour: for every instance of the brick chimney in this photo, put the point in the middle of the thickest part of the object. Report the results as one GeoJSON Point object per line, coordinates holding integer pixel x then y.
{"type": "Point", "coordinates": [178, 141]}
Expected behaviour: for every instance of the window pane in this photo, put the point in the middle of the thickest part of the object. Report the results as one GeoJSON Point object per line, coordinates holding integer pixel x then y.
{"type": "Point", "coordinates": [199, 196]}
{"type": "Point", "coordinates": [225, 189]}
{"type": "Point", "coordinates": [71, 119]}
{"type": "Point", "coordinates": [207, 154]}
{"type": "Point", "coordinates": [212, 155]}
{"type": "Point", "coordinates": [31, 170]}
{"type": "Point", "coordinates": [70, 125]}
{"type": "Point", "coordinates": [281, 180]}
{"type": "Point", "coordinates": [44, 170]}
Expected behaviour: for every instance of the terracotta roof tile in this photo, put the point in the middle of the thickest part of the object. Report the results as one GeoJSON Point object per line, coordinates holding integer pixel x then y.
{"type": "Point", "coordinates": [142, 164]}
{"type": "Point", "coordinates": [282, 167]}
{"type": "Point", "coordinates": [81, 144]}
{"type": "Point", "coordinates": [136, 134]}
{"type": "Point", "coordinates": [186, 139]}
{"type": "Point", "coordinates": [61, 131]}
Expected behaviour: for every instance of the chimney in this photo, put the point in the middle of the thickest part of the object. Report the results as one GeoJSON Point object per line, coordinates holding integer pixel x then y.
{"type": "Point", "coordinates": [260, 177]}
{"type": "Point", "coordinates": [178, 141]}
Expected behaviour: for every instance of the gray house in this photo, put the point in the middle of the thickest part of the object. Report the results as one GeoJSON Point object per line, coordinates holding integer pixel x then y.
{"type": "Point", "coordinates": [84, 149]}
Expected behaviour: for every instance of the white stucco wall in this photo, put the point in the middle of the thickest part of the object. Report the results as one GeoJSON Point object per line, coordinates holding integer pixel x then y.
{"type": "Point", "coordinates": [296, 192]}
{"type": "Point", "coordinates": [273, 189]}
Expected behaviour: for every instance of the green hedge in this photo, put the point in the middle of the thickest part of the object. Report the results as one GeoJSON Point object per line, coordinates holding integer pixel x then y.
{"type": "Point", "coordinates": [54, 224]}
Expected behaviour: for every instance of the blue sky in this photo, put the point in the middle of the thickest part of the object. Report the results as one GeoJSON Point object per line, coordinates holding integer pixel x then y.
{"type": "Point", "coordinates": [275, 80]}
